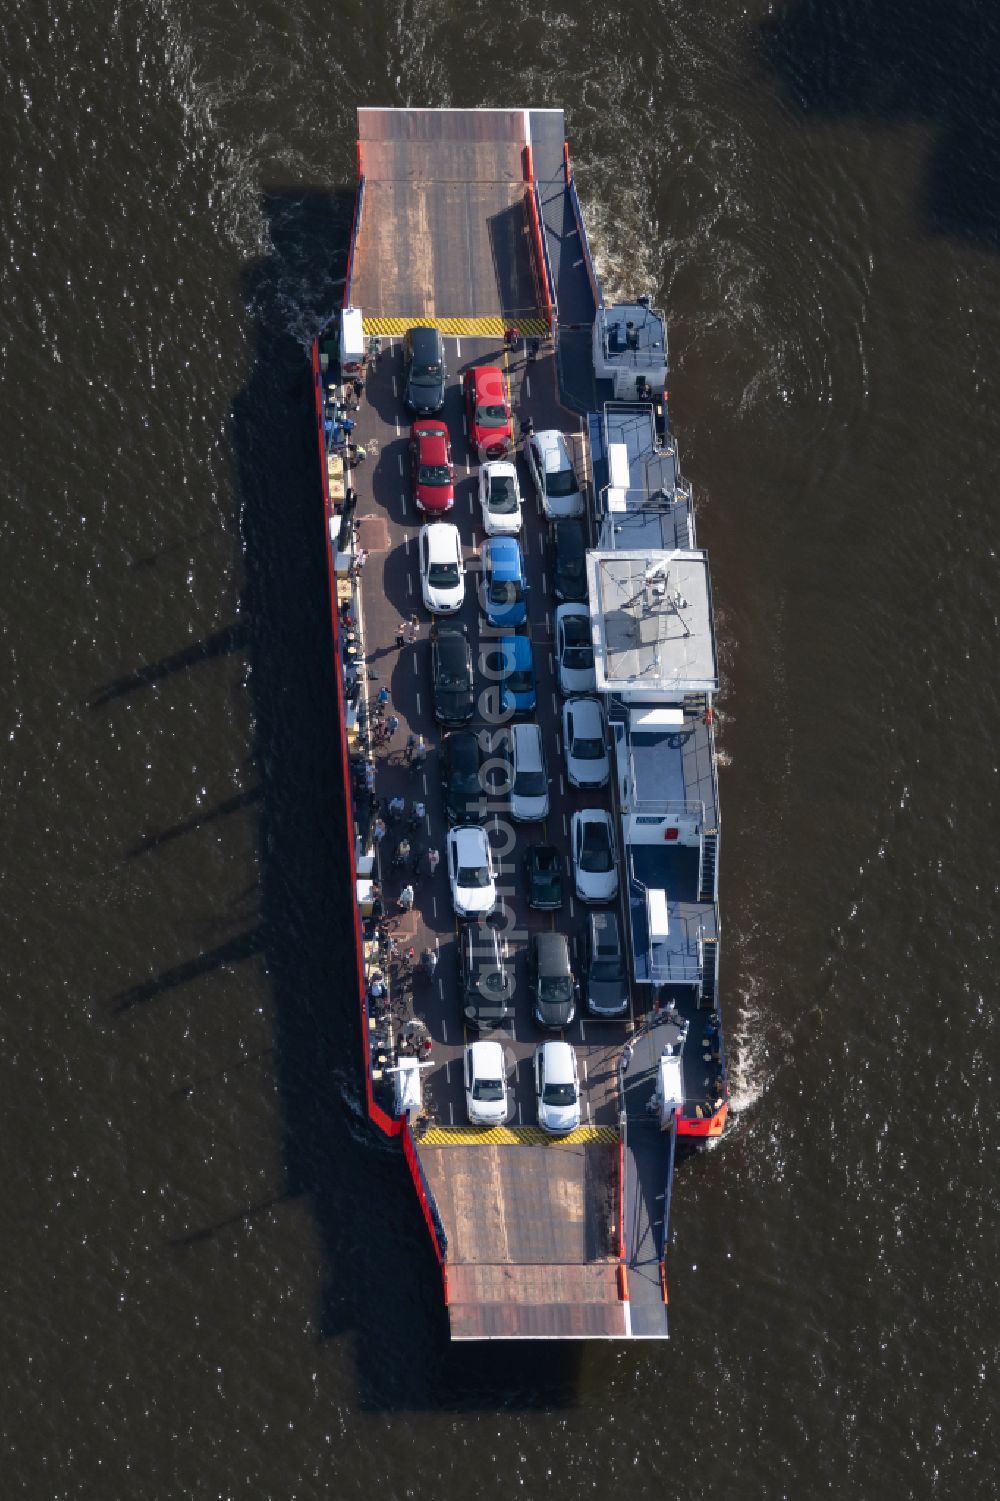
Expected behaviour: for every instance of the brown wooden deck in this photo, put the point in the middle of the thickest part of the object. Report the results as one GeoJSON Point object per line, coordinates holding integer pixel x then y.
{"type": "Point", "coordinates": [444, 233]}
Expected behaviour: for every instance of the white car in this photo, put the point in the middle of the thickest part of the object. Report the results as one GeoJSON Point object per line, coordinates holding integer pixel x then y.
{"type": "Point", "coordinates": [470, 871]}
{"type": "Point", "coordinates": [500, 499]}
{"type": "Point", "coordinates": [486, 1084]}
{"type": "Point", "coordinates": [584, 742]}
{"type": "Point", "coordinates": [595, 867]}
{"type": "Point", "coordinates": [442, 572]}
{"type": "Point", "coordinates": [529, 777]}
{"type": "Point", "coordinates": [557, 1088]}
{"type": "Point", "coordinates": [574, 650]}
{"type": "Point", "coordinates": [556, 487]}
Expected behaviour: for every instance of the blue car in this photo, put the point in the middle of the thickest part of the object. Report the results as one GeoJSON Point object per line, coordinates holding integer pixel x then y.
{"type": "Point", "coordinates": [517, 663]}
{"type": "Point", "coordinates": [503, 592]}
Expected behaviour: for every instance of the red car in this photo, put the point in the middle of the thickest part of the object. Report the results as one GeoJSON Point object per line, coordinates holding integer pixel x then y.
{"type": "Point", "coordinates": [488, 411]}
{"type": "Point", "coordinates": [430, 463]}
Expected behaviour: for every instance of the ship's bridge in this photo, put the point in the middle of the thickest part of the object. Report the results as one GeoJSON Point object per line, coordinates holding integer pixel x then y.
{"type": "Point", "coordinates": [651, 618]}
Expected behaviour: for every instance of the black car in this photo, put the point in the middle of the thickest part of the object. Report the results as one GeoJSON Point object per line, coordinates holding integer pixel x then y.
{"type": "Point", "coordinates": [424, 371]}
{"type": "Point", "coordinates": [452, 679]}
{"type": "Point", "coordinates": [461, 778]}
{"type": "Point", "coordinates": [487, 984]}
{"type": "Point", "coordinates": [569, 570]}
{"type": "Point", "coordinates": [604, 973]}
{"type": "Point", "coordinates": [543, 875]}
{"type": "Point", "coordinates": [553, 986]}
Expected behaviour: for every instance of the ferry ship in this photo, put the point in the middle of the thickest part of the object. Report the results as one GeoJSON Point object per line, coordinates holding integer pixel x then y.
{"type": "Point", "coordinates": [526, 665]}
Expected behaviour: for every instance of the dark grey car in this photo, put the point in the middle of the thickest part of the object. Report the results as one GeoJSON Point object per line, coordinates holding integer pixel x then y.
{"type": "Point", "coordinates": [425, 374]}
{"type": "Point", "coordinates": [487, 983]}
{"type": "Point", "coordinates": [604, 973]}
{"type": "Point", "coordinates": [569, 561]}
{"type": "Point", "coordinates": [551, 981]}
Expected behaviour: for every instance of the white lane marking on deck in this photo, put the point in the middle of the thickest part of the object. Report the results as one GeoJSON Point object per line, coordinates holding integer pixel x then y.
{"type": "Point", "coordinates": [418, 702]}
{"type": "Point", "coordinates": [552, 669]}
{"type": "Point", "coordinates": [400, 463]}
{"type": "Point", "coordinates": [588, 1113]}
{"type": "Point", "coordinates": [395, 387]}
{"type": "Point", "coordinates": [586, 1079]}
{"type": "Point", "coordinates": [447, 1072]}
{"type": "Point", "coordinates": [572, 909]}
{"type": "Point", "coordinates": [555, 702]}
{"type": "Point", "coordinates": [520, 1118]}
{"type": "Point", "coordinates": [451, 1112]}
{"type": "Point", "coordinates": [428, 816]}
{"type": "Point", "coordinates": [583, 1038]}
{"type": "Point", "coordinates": [397, 427]}
{"type": "Point", "coordinates": [562, 785]}
{"type": "Point", "coordinates": [541, 544]}
{"type": "Point", "coordinates": [406, 549]}
{"type": "Point", "coordinates": [565, 828]}
{"type": "Point", "coordinates": [527, 385]}
{"type": "Point", "coordinates": [558, 744]}
{"type": "Point", "coordinates": [441, 989]}
{"type": "Point", "coordinates": [472, 508]}
{"type": "Point", "coordinates": [545, 583]}
{"type": "Point", "coordinates": [423, 780]}
{"type": "Point", "coordinates": [434, 905]}
{"type": "Point", "coordinates": [513, 1031]}
{"type": "Point", "coordinates": [409, 588]}
{"type": "Point", "coordinates": [444, 1031]}
{"type": "Point", "coordinates": [415, 667]}
{"type": "Point", "coordinates": [458, 348]}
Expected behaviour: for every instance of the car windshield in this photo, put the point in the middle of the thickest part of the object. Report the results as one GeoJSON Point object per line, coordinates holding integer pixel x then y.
{"type": "Point", "coordinates": [561, 482]}
{"type": "Point", "coordinates": [607, 969]}
{"type": "Point", "coordinates": [587, 750]}
{"type": "Point", "coordinates": [530, 784]}
{"type": "Point", "coordinates": [505, 592]}
{"type": "Point", "coordinates": [559, 1094]}
{"type": "Point", "coordinates": [475, 876]}
{"type": "Point", "coordinates": [491, 416]}
{"type": "Point", "coordinates": [571, 568]}
{"type": "Point", "coordinates": [487, 1089]}
{"type": "Point", "coordinates": [596, 853]}
{"type": "Point", "coordinates": [555, 988]}
{"type": "Point", "coordinates": [443, 575]}
{"type": "Point", "coordinates": [579, 657]}
{"type": "Point", "coordinates": [503, 494]}
{"type": "Point", "coordinates": [426, 372]}
{"type": "Point", "coordinates": [434, 474]}
{"type": "Point", "coordinates": [451, 678]}
{"type": "Point", "coordinates": [520, 681]}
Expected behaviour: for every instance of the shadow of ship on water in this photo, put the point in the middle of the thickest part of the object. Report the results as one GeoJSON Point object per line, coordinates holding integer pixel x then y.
{"type": "Point", "coordinates": [380, 1283]}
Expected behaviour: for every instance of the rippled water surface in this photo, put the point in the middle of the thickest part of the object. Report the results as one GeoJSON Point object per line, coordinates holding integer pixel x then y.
{"type": "Point", "coordinates": [215, 1281]}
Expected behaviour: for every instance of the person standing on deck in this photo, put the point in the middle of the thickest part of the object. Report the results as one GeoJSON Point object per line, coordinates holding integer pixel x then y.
{"type": "Point", "coordinates": [406, 897]}
{"type": "Point", "coordinates": [400, 634]}
{"type": "Point", "coordinates": [412, 630]}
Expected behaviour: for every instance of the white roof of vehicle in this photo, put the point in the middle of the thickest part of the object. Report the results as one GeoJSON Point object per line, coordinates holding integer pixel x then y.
{"type": "Point", "coordinates": [552, 446]}
{"type": "Point", "coordinates": [586, 715]}
{"type": "Point", "coordinates": [470, 842]}
{"type": "Point", "coordinates": [443, 543]}
{"type": "Point", "coordinates": [500, 466]}
{"type": "Point", "coordinates": [559, 1062]}
{"type": "Point", "coordinates": [487, 1060]}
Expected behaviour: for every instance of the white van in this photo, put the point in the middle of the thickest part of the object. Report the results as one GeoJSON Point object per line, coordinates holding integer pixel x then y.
{"type": "Point", "coordinates": [352, 342]}
{"type": "Point", "coordinates": [529, 793]}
